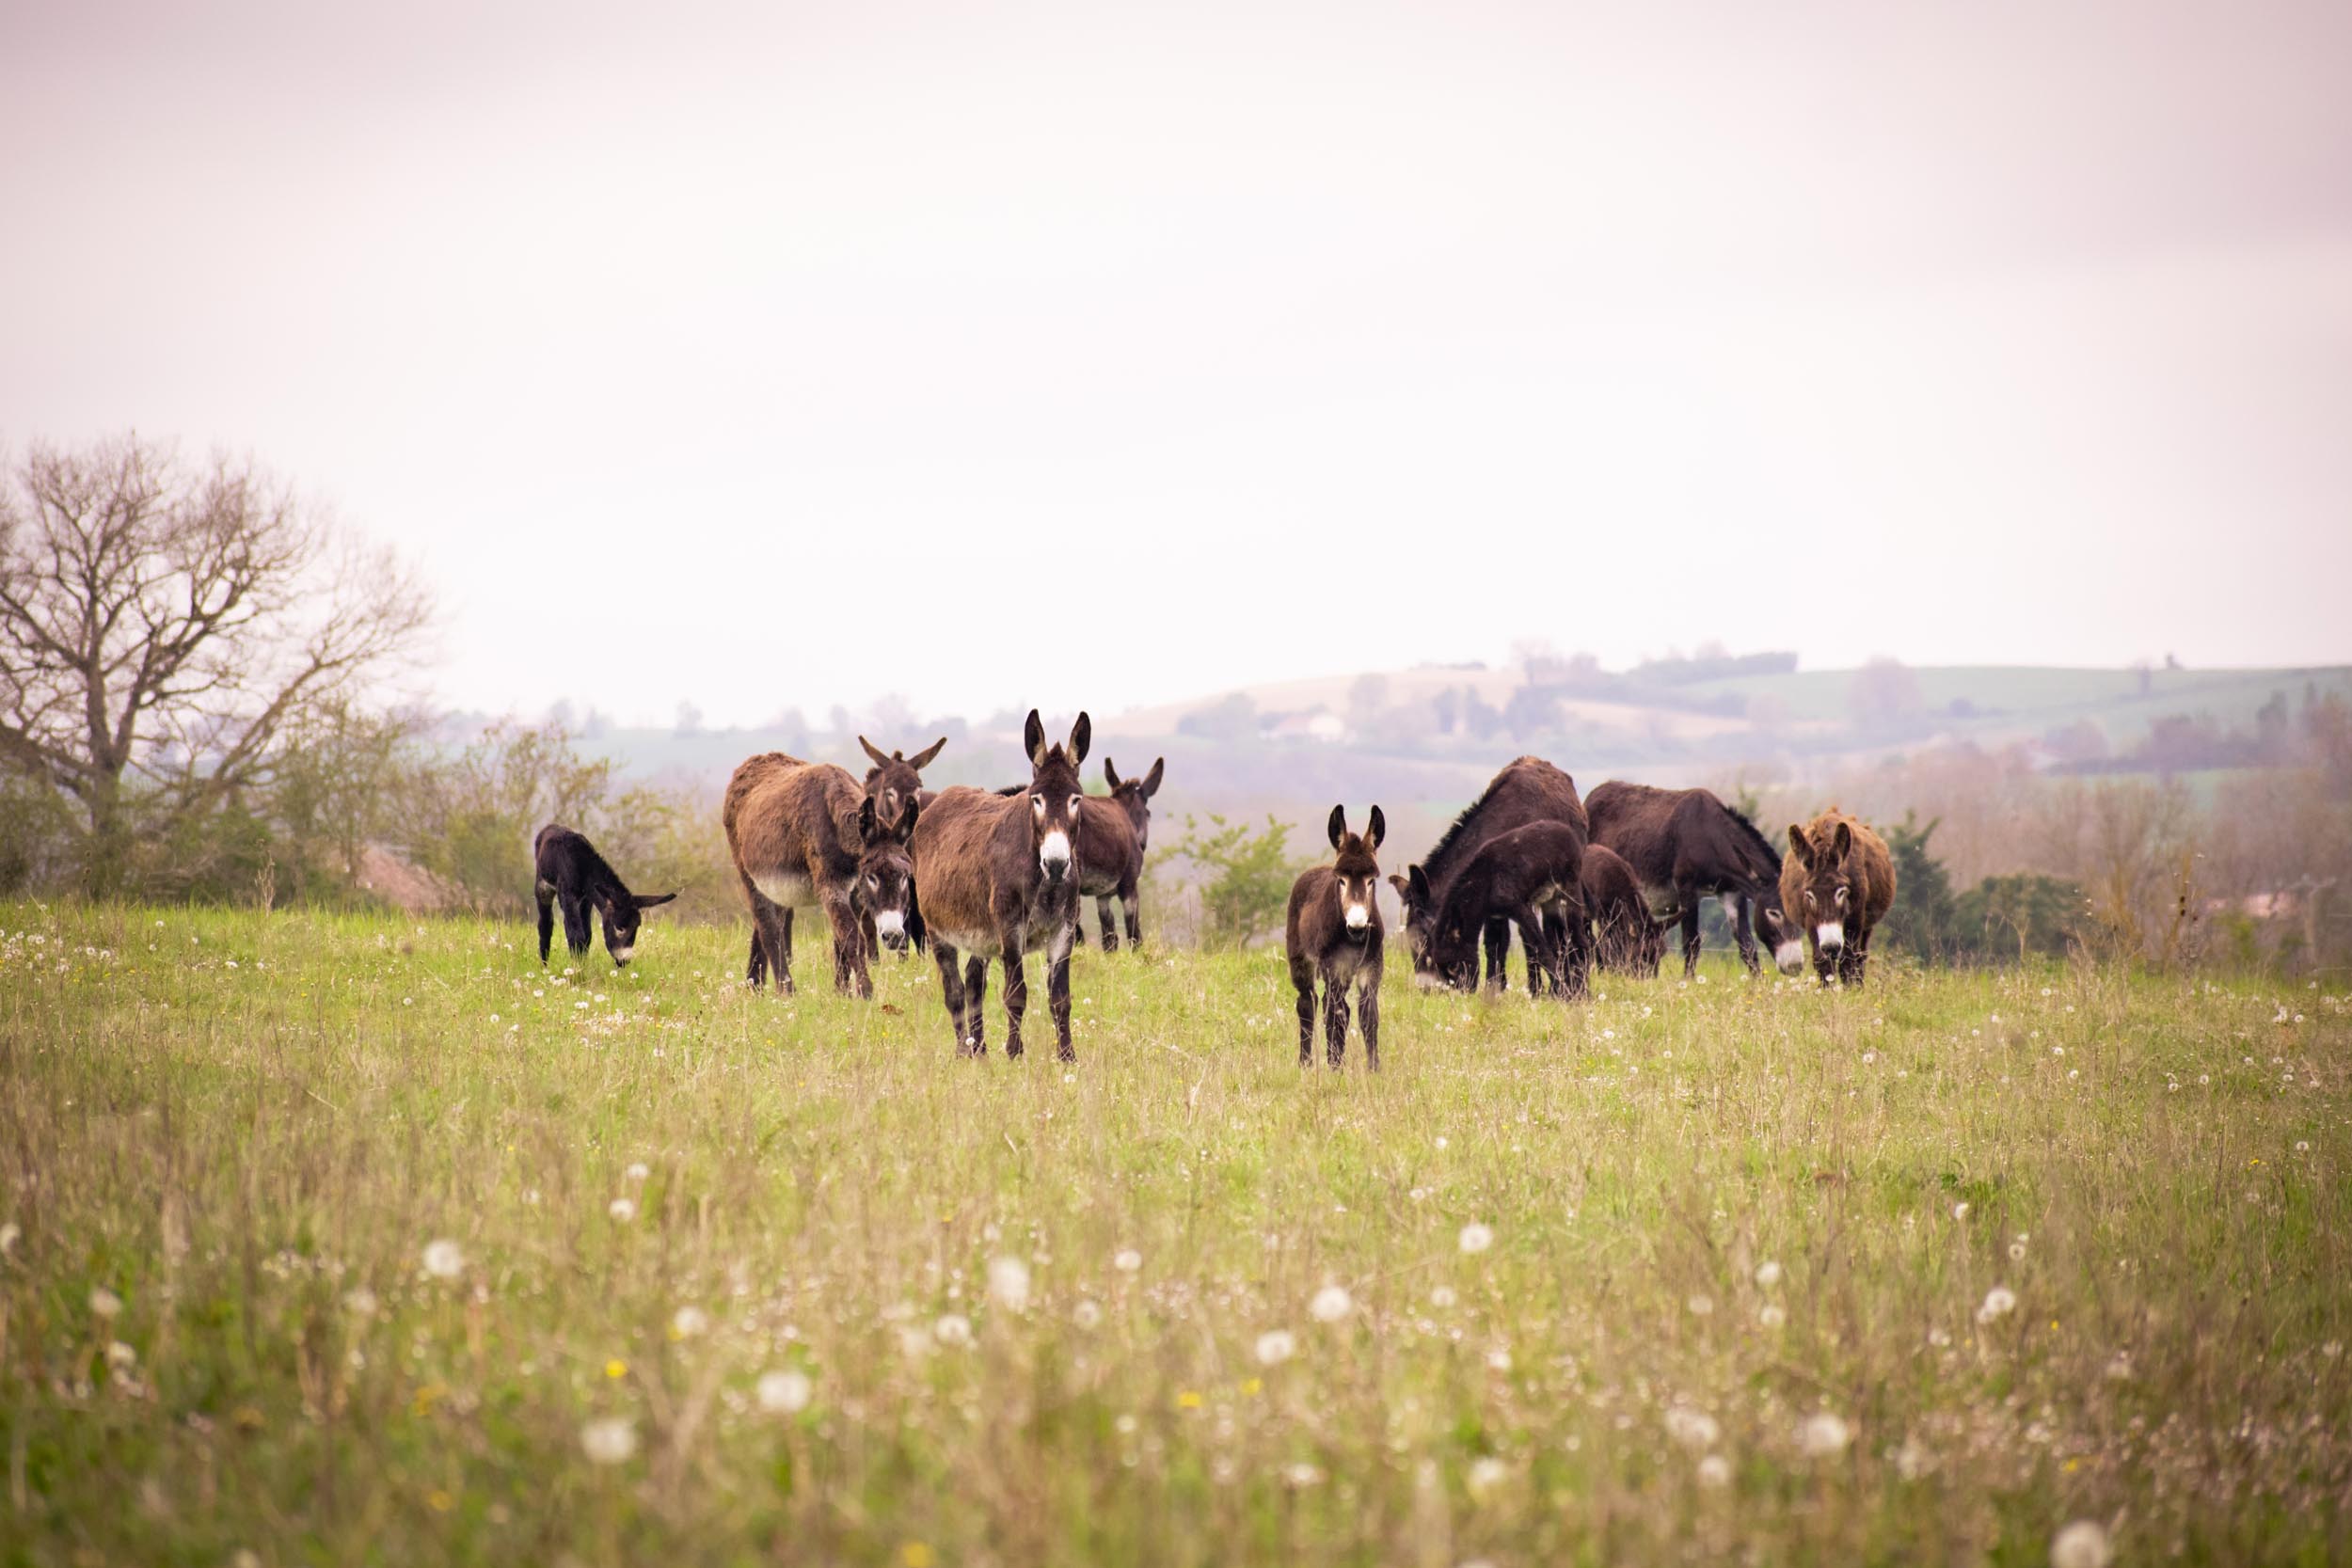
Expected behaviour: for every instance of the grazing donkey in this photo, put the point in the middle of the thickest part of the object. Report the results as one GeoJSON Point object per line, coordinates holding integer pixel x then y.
{"type": "Point", "coordinates": [1527, 789]}
{"type": "Point", "coordinates": [997, 875]}
{"type": "Point", "coordinates": [1113, 831]}
{"type": "Point", "coordinates": [894, 805]}
{"type": "Point", "coordinates": [572, 874]}
{"type": "Point", "coordinates": [1684, 845]}
{"type": "Point", "coordinates": [1333, 935]}
{"type": "Point", "coordinates": [1531, 875]}
{"type": "Point", "coordinates": [1839, 875]}
{"type": "Point", "coordinates": [799, 833]}
{"type": "Point", "coordinates": [1625, 941]}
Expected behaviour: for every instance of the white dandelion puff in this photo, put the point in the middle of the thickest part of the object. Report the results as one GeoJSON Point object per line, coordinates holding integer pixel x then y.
{"type": "Point", "coordinates": [1693, 1428]}
{"type": "Point", "coordinates": [1715, 1471]}
{"type": "Point", "coordinates": [1443, 1297]}
{"type": "Point", "coordinates": [689, 1322]}
{"type": "Point", "coordinates": [1999, 1302]}
{"type": "Point", "coordinates": [2081, 1544]}
{"type": "Point", "coordinates": [622, 1209]}
{"type": "Point", "coordinates": [104, 1304]}
{"type": "Point", "coordinates": [1086, 1315]}
{"type": "Point", "coordinates": [1476, 1238]}
{"type": "Point", "coordinates": [1772, 1314]}
{"type": "Point", "coordinates": [1009, 1283]}
{"type": "Point", "coordinates": [1127, 1260]}
{"type": "Point", "coordinates": [1824, 1435]}
{"type": "Point", "coordinates": [1768, 1274]}
{"type": "Point", "coordinates": [1276, 1346]}
{"type": "Point", "coordinates": [636, 1171]}
{"type": "Point", "coordinates": [1487, 1475]}
{"type": "Point", "coordinates": [609, 1440]}
{"type": "Point", "coordinates": [444, 1259]}
{"type": "Point", "coordinates": [1332, 1304]}
{"type": "Point", "coordinates": [784, 1393]}
{"type": "Point", "coordinates": [953, 1329]}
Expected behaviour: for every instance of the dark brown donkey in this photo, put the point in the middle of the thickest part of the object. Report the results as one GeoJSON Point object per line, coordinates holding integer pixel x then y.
{"type": "Point", "coordinates": [1527, 789]}
{"type": "Point", "coordinates": [1113, 831]}
{"type": "Point", "coordinates": [997, 875]}
{"type": "Point", "coordinates": [1625, 941]}
{"type": "Point", "coordinates": [572, 874]}
{"type": "Point", "coordinates": [1532, 877]}
{"type": "Point", "coordinates": [1837, 884]}
{"type": "Point", "coordinates": [1684, 845]}
{"type": "Point", "coordinates": [1333, 936]}
{"type": "Point", "coordinates": [799, 831]}
{"type": "Point", "coordinates": [895, 805]}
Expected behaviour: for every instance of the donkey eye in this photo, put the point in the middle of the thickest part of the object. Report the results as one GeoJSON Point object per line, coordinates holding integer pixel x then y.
{"type": "Point", "coordinates": [1809, 899]}
{"type": "Point", "coordinates": [1841, 894]}
{"type": "Point", "coordinates": [1038, 802]}
{"type": "Point", "coordinates": [873, 881]}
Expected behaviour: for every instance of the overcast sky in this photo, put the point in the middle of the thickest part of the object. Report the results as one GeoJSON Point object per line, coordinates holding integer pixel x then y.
{"type": "Point", "coordinates": [1095, 354]}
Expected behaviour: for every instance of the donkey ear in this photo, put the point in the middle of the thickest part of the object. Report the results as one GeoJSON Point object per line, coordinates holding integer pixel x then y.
{"type": "Point", "coordinates": [1842, 843]}
{"type": "Point", "coordinates": [1151, 780]}
{"type": "Point", "coordinates": [865, 818]}
{"type": "Point", "coordinates": [1080, 734]}
{"type": "Point", "coordinates": [875, 752]}
{"type": "Point", "coordinates": [922, 759]}
{"type": "Point", "coordinates": [646, 902]}
{"type": "Point", "coordinates": [1402, 883]}
{"type": "Point", "coordinates": [1110, 775]}
{"type": "Point", "coordinates": [1338, 825]}
{"type": "Point", "coordinates": [1417, 881]}
{"type": "Point", "coordinates": [1798, 847]}
{"type": "Point", "coordinates": [906, 820]}
{"type": "Point", "coordinates": [1033, 739]}
{"type": "Point", "coordinates": [1378, 831]}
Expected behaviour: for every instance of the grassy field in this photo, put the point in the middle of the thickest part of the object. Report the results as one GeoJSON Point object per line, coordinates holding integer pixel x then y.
{"type": "Point", "coordinates": [354, 1240]}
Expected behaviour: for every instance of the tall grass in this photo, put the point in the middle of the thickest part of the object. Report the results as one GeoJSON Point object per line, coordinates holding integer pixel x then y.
{"type": "Point", "coordinates": [1071, 1316]}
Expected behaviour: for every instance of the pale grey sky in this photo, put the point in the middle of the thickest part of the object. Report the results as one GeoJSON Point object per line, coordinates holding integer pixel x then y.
{"type": "Point", "coordinates": [1097, 355]}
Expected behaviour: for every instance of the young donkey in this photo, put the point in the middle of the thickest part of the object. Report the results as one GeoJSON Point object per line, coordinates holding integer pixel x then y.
{"type": "Point", "coordinates": [997, 875]}
{"type": "Point", "coordinates": [572, 874]}
{"type": "Point", "coordinates": [1527, 789]}
{"type": "Point", "coordinates": [1531, 875]}
{"type": "Point", "coordinates": [1837, 884]}
{"type": "Point", "coordinates": [806, 834]}
{"type": "Point", "coordinates": [1333, 935]}
{"type": "Point", "coordinates": [1114, 830]}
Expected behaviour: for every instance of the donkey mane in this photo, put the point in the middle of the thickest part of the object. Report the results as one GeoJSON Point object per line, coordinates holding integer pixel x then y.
{"type": "Point", "coordinates": [1755, 837]}
{"type": "Point", "coordinates": [1434, 862]}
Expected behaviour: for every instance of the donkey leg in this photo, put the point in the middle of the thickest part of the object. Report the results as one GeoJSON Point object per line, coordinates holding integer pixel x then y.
{"type": "Point", "coordinates": [1575, 951]}
{"type": "Point", "coordinates": [1536, 939]}
{"type": "Point", "coordinates": [1335, 1022]}
{"type": "Point", "coordinates": [1104, 927]}
{"type": "Point", "coordinates": [576, 932]}
{"type": "Point", "coordinates": [1497, 935]}
{"type": "Point", "coordinates": [1303, 979]}
{"type": "Point", "coordinates": [547, 921]}
{"type": "Point", "coordinates": [1740, 907]}
{"type": "Point", "coordinates": [1368, 1017]}
{"type": "Point", "coordinates": [1057, 990]}
{"type": "Point", "coordinates": [1135, 920]}
{"type": "Point", "coordinates": [1690, 899]}
{"type": "Point", "coordinates": [780, 950]}
{"type": "Point", "coordinates": [951, 992]}
{"type": "Point", "coordinates": [848, 947]}
{"type": "Point", "coordinates": [1016, 998]}
{"type": "Point", "coordinates": [975, 997]}
{"type": "Point", "coordinates": [1851, 959]}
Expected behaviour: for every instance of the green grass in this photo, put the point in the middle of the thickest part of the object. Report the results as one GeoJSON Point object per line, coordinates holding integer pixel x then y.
{"type": "Point", "coordinates": [241, 1126]}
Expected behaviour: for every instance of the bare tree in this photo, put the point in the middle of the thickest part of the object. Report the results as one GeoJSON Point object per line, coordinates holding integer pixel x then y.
{"type": "Point", "coordinates": [164, 627]}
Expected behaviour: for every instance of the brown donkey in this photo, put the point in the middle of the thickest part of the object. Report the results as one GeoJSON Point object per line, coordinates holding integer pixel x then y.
{"type": "Point", "coordinates": [1836, 886]}
{"type": "Point", "coordinates": [997, 875]}
{"type": "Point", "coordinates": [1529, 789]}
{"type": "Point", "coordinates": [1333, 935]}
{"type": "Point", "coordinates": [1626, 940]}
{"type": "Point", "coordinates": [1531, 876]}
{"type": "Point", "coordinates": [1113, 831]}
{"type": "Point", "coordinates": [800, 831]}
{"type": "Point", "coordinates": [1684, 845]}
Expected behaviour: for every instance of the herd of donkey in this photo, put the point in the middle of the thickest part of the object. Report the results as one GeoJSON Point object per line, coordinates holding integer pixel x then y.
{"type": "Point", "coordinates": [1000, 874]}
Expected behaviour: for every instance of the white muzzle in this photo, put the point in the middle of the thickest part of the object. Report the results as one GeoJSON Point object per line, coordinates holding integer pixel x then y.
{"type": "Point", "coordinates": [1791, 957]}
{"type": "Point", "coordinates": [1358, 916]}
{"type": "Point", "coordinates": [1831, 934]}
{"type": "Point", "coordinates": [1054, 854]}
{"type": "Point", "coordinates": [890, 923]}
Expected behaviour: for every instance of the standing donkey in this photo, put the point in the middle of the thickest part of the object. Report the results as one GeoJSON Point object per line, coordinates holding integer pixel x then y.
{"type": "Point", "coordinates": [1333, 935]}
{"type": "Point", "coordinates": [997, 875]}
{"type": "Point", "coordinates": [572, 874]}
{"type": "Point", "coordinates": [799, 833]}
{"type": "Point", "coordinates": [1114, 830]}
{"type": "Point", "coordinates": [1837, 884]}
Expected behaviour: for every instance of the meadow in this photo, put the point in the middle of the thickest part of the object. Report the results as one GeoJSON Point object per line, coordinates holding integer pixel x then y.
{"type": "Point", "coordinates": [354, 1240]}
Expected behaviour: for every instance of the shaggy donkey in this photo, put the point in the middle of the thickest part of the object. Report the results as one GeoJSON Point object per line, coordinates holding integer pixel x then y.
{"type": "Point", "coordinates": [1527, 789]}
{"type": "Point", "coordinates": [1113, 831]}
{"type": "Point", "coordinates": [798, 832]}
{"type": "Point", "coordinates": [1625, 941]}
{"type": "Point", "coordinates": [1332, 934]}
{"type": "Point", "coordinates": [1531, 875]}
{"type": "Point", "coordinates": [1684, 845]}
{"type": "Point", "coordinates": [572, 874]}
{"type": "Point", "coordinates": [1836, 886]}
{"type": "Point", "coordinates": [998, 875]}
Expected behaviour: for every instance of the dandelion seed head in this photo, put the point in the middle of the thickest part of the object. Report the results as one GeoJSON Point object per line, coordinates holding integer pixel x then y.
{"type": "Point", "coordinates": [1332, 1304]}
{"type": "Point", "coordinates": [1824, 1435]}
{"type": "Point", "coordinates": [2081, 1544]}
{"type": "Point", "coordinates": [1768, 1274]}
{"type": "Point", "coordinates": [1276, 1346]}
{"type": "Point", "coordinates": [1476, 1238]}
{"type": "Point", "coordinates": [609, 1440]}
{"type": "Point", "coordinates": [784, 1392]}
{"type": "Point", "coordinates": [1009, 1283]}
{"type": "Point", "coordinates": [444, 1259]}
{"type": "Point", "coordinates": [622, 1209]}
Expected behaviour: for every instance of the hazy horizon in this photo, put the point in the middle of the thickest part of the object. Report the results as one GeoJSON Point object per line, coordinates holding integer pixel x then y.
{"type": "Point", "coordinates": [1059, 356]}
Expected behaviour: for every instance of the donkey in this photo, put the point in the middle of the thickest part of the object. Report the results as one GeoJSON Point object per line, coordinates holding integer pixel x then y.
{"type": "Point", "coordinates": [1333, 934]}
{"type": "Point", "coordinates": [1625, 941]}
{"type": "Point", "coordinates": [1113, 832]}
{"type": "Point", "coordinates": [798, 832]}
{"type": "Point", "coordinates": [998, 875]}
{"type": "Point", "coordinates": [1531, 876]}
{"type": "Point", "coordinates": [894, 805]}
{"type": "Point", "coordinates": [1527, 789]}
{"type": "Point", "coordinates": [1840, 874]}
{"type": "Point", "coordinates": [572, 874]}
{"type": "Point", "coordinates": [1684, 845]}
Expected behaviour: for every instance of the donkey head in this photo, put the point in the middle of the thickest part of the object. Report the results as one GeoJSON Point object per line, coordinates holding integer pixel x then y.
{"type": "Point", "coordinates": [621, 915]}
{"type": "Point", "coordinates": [1419, 902]}
{"type": "Point", "coordinates": [892, 782]}
{"type": "Point", "coordinates": [886, 872]}
{"type": "Point", "coordinates": [1832, 892]}
{"type": "Point", "coordinates": [1357, 873]}
{"type": "Point", "coordinates": [1134, 797]}
{"type": "Point", "coordinates": [1055, 790]}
